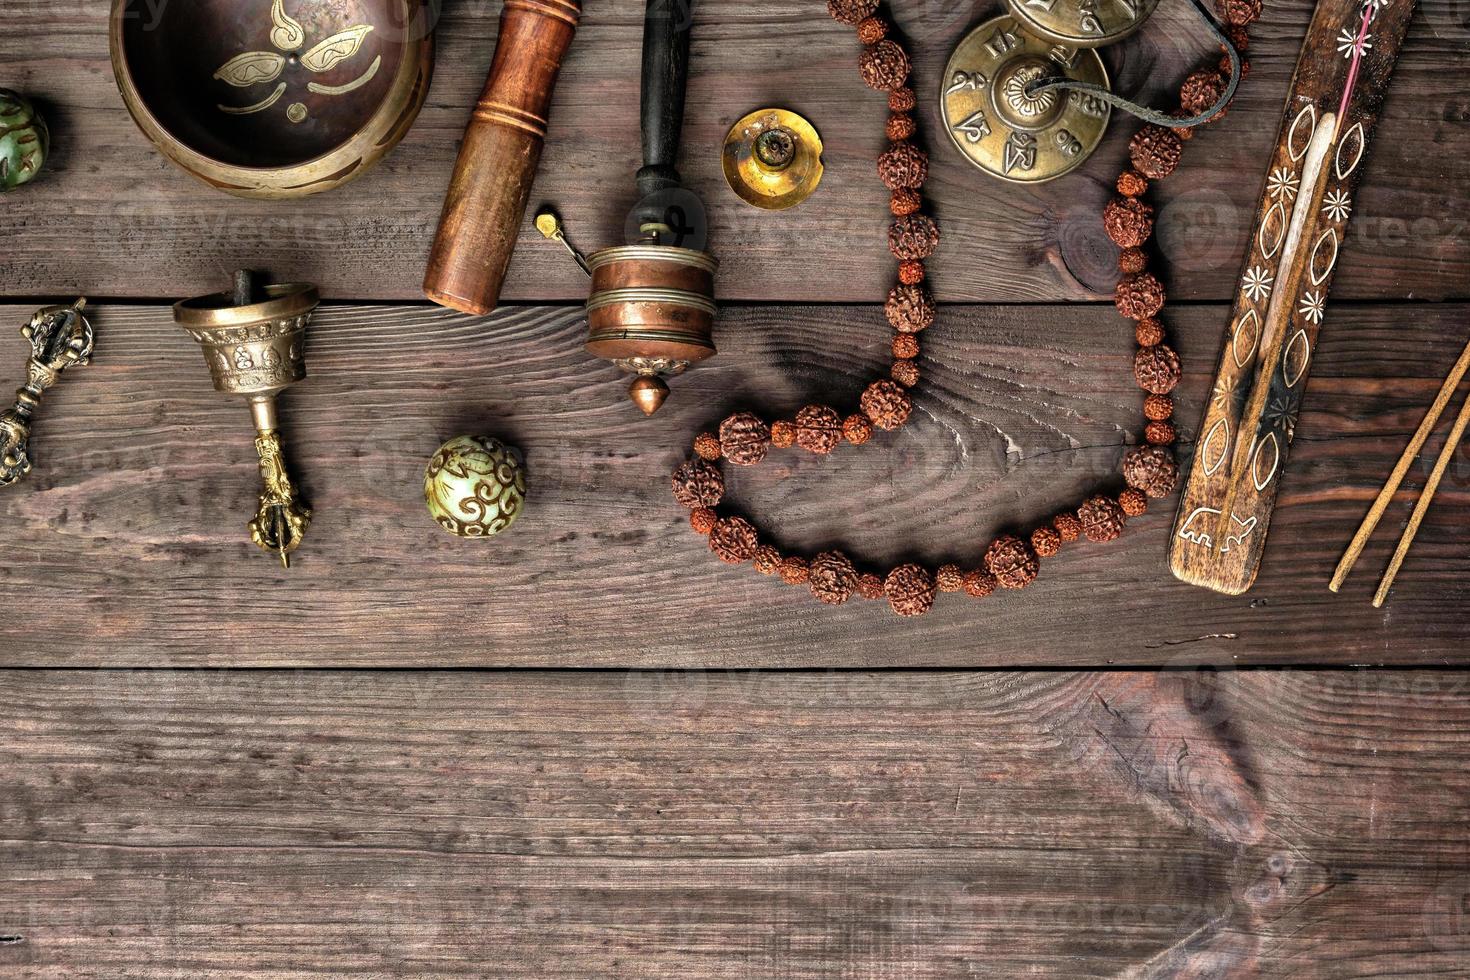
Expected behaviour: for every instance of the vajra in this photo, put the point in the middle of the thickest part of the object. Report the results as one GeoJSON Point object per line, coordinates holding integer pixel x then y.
{"type": "Point", "coordinates": [60, 336]}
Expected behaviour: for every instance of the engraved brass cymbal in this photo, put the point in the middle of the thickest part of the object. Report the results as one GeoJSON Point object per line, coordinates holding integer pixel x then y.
{"type": "Point", "coordinates": [773, 159]}
{"type": "Point", "coordinates": [1006, 131]}
{"type": "Point", "coordinates": [1081, 23]}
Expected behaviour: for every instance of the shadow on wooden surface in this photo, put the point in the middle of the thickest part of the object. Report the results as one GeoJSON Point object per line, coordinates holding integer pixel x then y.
{"type": "Point", "coordinates": [130, 535]}
{"type": "Point", "coordinates": [694, 824]}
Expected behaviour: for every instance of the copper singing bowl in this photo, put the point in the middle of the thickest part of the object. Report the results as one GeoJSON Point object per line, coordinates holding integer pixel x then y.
{"type": "Point", "coordinates": [274, 98]}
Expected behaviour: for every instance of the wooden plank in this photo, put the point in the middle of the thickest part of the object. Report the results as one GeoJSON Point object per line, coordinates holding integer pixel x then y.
{"type": "Point", "coordinates": [113, 219]}
{"type": "Point", "coordinates": [127, 546]}
{"type": "Point", "coordinates": [692, 824]}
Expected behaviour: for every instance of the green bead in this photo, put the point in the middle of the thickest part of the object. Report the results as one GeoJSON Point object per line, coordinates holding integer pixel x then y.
{"type": "Point", "coordinates": [475, 486]}
{"type": "Point", "coordinates": [24, 141]}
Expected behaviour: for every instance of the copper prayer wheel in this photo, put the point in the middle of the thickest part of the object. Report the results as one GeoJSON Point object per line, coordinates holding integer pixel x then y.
{"type": "Point", "coordinates": [652, 312]}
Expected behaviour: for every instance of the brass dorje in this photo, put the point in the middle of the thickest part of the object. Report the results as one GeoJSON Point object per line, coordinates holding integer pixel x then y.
{"type": "Point", "coordinates": [253, 340]}
{"type": "Point", "coordinates": [772, 159]}
{"type": "Point", "coordinates": [60, 337]}
{"type": "Point", "coordinates": [1000, 124]}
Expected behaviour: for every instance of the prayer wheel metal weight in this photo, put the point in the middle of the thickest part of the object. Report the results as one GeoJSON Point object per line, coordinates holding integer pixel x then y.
{"type": "Point", "coordinates": [990, 110]}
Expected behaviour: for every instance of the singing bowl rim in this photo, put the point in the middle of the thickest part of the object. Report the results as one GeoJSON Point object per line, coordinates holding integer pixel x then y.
{"type": "Point", "coordinates": [375, 140]}
{"type": "Point", "coordinates": [217, 310]}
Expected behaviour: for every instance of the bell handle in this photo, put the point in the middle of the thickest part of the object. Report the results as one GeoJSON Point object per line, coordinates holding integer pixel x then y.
{"type": "Point", "coordinates": [281, 518]}
{"type": "Point", "coordinates": [666, 30]}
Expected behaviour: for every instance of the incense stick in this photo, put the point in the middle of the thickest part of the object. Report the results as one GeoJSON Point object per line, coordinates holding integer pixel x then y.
{"type": "Point", "coordinates": [1401, 468]}
{"type": "Point", "coordinates": [1440, 464]}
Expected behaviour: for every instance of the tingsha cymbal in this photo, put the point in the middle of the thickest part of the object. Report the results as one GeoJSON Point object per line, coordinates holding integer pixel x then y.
{"type": "Point", "coordinates": [1081, 23]}
{"type": "Point", "coordinates": [1005, 129]}
{"type": "Point", "coordinates": [773, 159]}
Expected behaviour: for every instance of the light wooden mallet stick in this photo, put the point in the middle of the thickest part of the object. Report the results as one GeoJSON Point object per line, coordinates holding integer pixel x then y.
{"type": "Point", "coordinates": [1445, 455]}
{"type": "Point", "coordinates": [1411, 452]}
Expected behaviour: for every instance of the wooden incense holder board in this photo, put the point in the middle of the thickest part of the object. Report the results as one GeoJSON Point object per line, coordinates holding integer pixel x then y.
{"type": "Point", "coordinates": [1336, 93]}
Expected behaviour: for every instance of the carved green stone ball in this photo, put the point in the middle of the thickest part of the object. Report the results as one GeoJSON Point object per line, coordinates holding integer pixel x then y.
{"type": "Point", "coordinates": [24, 141]}
{"type": "Point", "coordinates": [475, 486]}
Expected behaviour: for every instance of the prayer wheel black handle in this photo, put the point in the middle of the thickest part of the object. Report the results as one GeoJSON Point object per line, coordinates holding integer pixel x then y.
{"type": "Point", "coordinates": [666, 27]}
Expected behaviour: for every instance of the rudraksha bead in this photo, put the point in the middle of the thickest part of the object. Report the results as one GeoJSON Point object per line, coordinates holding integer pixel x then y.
{"type": "Point", "coordinates": [1151, 469]}
{"type": "Point", "coordinates": [905, 345]}
{"type": "Point", "coordinates": [910, 309]}
{"type": "Point", "coordinates": [1045, 542]}
{"type": "Point", "coordinates": [905, 202]}
{"type": "Point", "coordinates": [767, 560]}
{"type": "Point", "coordinates": [902, 100]}
{"type": "Point", "coordinates": [698, 484]}
{"type": "Point", "coordinates": [1149, 332]}
{"type": "Point", "coordinates": [856, 429]}
{"type": "Point", "coordinates": [851, 12]}
{"type": "Point", "coordinates": [818, 429]}
{"type": "Point", "coordinates": [1128, 221]}
{"type": "Point", "coordinates": [979, 583]}
{"type": "Point", "coordinates": [900, 126]}
{"type": "Point", "coordinates": [911, 273]}
{"type": "Point", "coordinates": [1068, 527]}
{"type": "Point", "coordinates": [905, 371]}
{"type": "Point", "coordinates": [1156, 369]}
{"type": "Point", "coordinates": [1131, 183]}
{"type": "Point", "coordinates": [1132, 261]}
{"type": "Point", "coordinates": [1156, 408]}
{"type": "Point", "coordinates": [707, 446]}
{"type": "Point", "coordinates": [1102, 519]}
{"type": "Point", "coordinates": [886, 404]}
{"type": "Point", "coordinates": [949, 578]}
{"type": "Point", "coordinates": [1160, 433]}
{"type": "Point", "coordinates": [1155, 151]}
{"type": "Point", "coordinates": [1134, 502]}
{"type": "Point", "coordinates": [1245, 69]}
{"type": "Point", "coordinates": [1201, 90]}
{"type": "Point", "coordinates": [1185, 133]}
{"type": "Point", "coordinates": [703, 520]}
{"type": "Point", "coordinates": [914, 236]}
{"type": "Point", "coordinates": [870, 586]}
{"type": "Point", "coordinates": [783, 434]}
{"type": "Point", "coordinates": [832, 578]}
{"type": "Point", "coordinates": [744, 438]}
{"type": "Point", "coordinates": [910, 589]}
{"type": "Point", "coordinates": [733, 540]}
{"type": "Point", "coordinates": [884, 66]}
{"type": "Point", "coordinates": [1012, 562]}
{"type": "Point", "coordinates": [871, 30]}
{"type": "Point", "coordinates": [1238, 13]}
{"type": "Point", "coordinates": [794, 570]}
{"type": "Point", "coordinates": [903, 166]}
{"type": "Point", "coordinates": [1139, 296]}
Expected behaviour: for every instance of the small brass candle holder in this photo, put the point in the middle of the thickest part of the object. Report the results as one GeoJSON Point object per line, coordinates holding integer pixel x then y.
{"type": "Point", "coordinates": [253, 340]}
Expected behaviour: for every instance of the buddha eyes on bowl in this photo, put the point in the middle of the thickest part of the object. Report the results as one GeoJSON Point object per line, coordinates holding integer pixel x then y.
{"type": "Point", "coordinates": [261, 67]}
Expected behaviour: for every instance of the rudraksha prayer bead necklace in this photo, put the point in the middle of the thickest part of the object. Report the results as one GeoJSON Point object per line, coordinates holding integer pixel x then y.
{"type": "Point", "coordinates": [1009, 562]}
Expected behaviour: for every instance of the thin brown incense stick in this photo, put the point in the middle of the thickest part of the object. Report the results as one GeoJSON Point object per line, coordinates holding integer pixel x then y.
{"type": "Point", "coordinates": [1440, 464]}
{"type": "Point", "coordinates": [1411, 453]}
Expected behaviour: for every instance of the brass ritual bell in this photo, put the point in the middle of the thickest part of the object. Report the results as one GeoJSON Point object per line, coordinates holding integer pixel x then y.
{"type": "Point", "coordinates": [651, 308]}
{"type": "Point", "coordinates": [990, 103]}
{"type": "Point", "coordinates": [253, 340]}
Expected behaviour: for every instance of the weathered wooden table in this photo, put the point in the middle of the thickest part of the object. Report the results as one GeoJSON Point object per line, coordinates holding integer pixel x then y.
{"type": "Point", "coordinates": [587, 749]}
